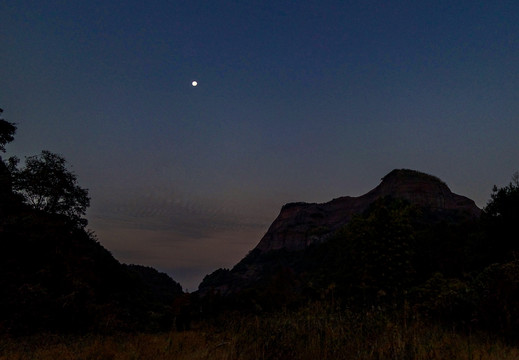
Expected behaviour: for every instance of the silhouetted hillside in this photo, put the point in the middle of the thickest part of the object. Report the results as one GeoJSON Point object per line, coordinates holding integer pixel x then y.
{"type": "Point", "coordinates": [164, 288]}
{"type": "Point", "coordinates": [55, 276]}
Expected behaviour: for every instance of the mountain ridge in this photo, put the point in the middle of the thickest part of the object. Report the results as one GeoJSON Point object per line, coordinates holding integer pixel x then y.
{"type": "Point", "coordinates": [300, 225]}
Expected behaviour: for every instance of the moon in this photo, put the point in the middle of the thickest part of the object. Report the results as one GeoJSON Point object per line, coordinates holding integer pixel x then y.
{"type": "Point", "coordinates": [194, 83]}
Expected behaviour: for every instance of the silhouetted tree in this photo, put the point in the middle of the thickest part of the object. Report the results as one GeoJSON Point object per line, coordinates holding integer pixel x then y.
{"type": "Point", "coordinates": [7, 131]}
{"type": "Point", "coordinates": [501, 216]}
{"type": "Point", "coordinates": [503, 201]}
{"type": "Point", "coordinates": [46, 184]}
{"type": "Point", "coordinates": [371, 259]}
{"type": "Point", "coordinates": [381, 248]}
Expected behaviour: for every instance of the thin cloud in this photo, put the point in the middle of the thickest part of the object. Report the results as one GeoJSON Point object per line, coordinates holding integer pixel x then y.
{"type": "Point", "coordinates": [168, 211]}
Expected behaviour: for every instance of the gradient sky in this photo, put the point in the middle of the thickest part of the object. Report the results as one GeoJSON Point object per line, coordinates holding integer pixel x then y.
{"type": "Point", "coordinates": [296, 101]}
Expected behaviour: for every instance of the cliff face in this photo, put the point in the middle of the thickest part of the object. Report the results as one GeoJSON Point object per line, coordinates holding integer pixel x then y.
{"type": "Point", "coordinates": [300, 224]}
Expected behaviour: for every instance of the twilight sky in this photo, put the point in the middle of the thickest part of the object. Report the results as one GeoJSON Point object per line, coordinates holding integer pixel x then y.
{"type": "Point", "coordinates": [296, 101]}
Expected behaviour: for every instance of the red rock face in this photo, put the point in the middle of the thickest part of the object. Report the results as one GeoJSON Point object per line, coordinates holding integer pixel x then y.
{"type": "Point", "coordinates": [301, 224]}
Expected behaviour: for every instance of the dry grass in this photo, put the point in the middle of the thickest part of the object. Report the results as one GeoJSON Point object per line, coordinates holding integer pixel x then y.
{"type": "Point", "coordinates": [312, 333]}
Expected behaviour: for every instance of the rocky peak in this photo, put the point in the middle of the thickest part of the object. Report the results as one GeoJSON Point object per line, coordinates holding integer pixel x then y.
{"type": "Point", "coordinates": [301, 224]}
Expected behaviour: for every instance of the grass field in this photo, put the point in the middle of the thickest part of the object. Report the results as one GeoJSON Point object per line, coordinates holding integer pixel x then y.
{"type": "Point", "coordinates": [311, 333]}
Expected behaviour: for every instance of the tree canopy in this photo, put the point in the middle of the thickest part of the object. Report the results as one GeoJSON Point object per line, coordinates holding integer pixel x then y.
{"type": "Point", "coordinates": [46, 184]}
{"type": "Point", "coordinates": [501, 216]}
{"type": "Point", "coordinates": [7, 131]}
{"type": "Point", "coordinates": [504, 201]}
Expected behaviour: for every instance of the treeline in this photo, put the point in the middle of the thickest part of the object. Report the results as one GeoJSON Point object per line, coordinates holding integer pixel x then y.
{"type": "Point", "coordinates": [54, 274]}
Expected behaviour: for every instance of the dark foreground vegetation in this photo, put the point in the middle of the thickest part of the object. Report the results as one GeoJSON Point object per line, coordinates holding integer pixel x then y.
{"type": "Point", "coordinates": [397, 282]}
{"type": "Point", "coordinates": [311, 332]}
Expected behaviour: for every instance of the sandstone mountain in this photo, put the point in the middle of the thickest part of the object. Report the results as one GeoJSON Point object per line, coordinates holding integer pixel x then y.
{"type": "Point", "coordinates": [301, 225]}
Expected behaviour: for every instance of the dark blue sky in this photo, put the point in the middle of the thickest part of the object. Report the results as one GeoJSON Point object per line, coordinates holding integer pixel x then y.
{"type": "Point", "coordinates": [297, 101]}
